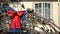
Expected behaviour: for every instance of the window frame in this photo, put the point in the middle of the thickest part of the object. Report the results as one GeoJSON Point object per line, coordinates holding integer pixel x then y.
{"type": "Point", "coordinates": [42, 9]}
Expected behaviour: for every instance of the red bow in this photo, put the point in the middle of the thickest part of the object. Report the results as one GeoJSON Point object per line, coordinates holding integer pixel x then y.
{"type": "Point", "coordinates": [16, 18]}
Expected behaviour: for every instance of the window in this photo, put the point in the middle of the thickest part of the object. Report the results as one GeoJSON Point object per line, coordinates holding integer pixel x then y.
{"type": "Point", "coordinates": [38, 8]}
{"type": "Point", "coordinates": [43, 9]}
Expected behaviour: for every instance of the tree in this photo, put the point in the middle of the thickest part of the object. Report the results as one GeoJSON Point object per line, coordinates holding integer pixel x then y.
{"type": "Point", "coordinates": [15, 0]}
{"type": "Point", "coordinates": [5, 1]}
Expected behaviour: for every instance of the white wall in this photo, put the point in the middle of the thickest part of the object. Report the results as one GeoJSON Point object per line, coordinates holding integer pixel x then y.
{"type": "Point", "coordinates": [27, 4]}
{"type": "Point", "coordinates": [55, 12]}
{"type": "Point", "coordinates": [59, 15]}
{"type": "Point", "coordinates": [15, 5]}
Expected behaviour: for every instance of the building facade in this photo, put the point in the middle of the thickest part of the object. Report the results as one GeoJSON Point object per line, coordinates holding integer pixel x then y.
{"type": "Point", "coordinates": [47, 9]}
